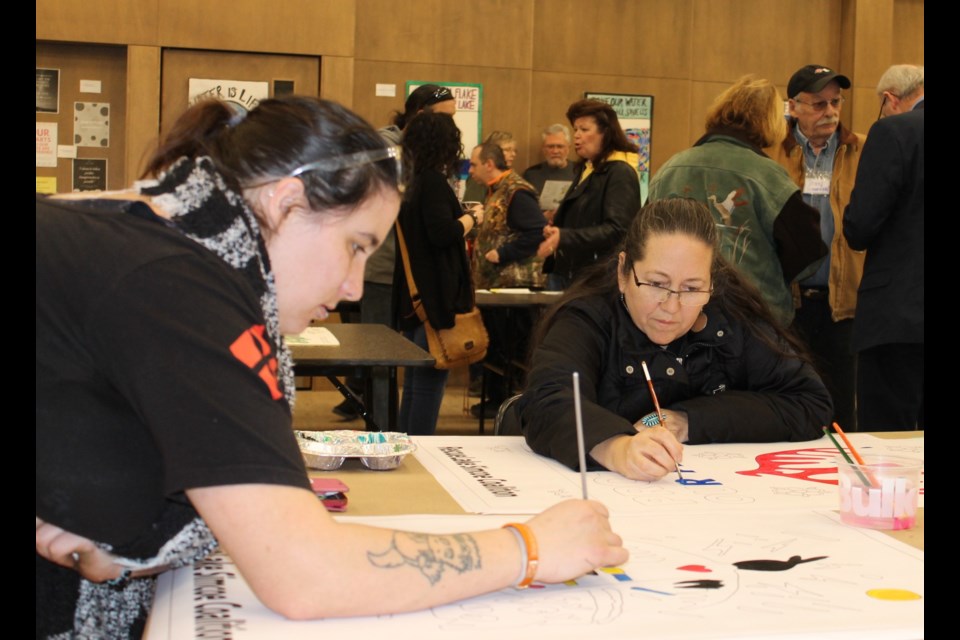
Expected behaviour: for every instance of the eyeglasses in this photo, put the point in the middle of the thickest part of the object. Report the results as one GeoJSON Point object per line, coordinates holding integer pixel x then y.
{"type": "Point", "coordinates": [348, 161]}
{"type": "Point", "coordinates": [660, 294]}
{"type": "Point", "coordinates": [821, 105]}
{"type": "Point", "coordinates": [884, 102]}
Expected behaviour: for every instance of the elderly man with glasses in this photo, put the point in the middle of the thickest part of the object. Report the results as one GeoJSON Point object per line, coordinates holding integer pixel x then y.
{"type": "Point", "coordinates": [900, 89]}
{"type": "Point", "coordinates": [556, 168]}
{"type": "Point", "coordinates": [885, 217]}
{"type": "Point", "coordinates": [821, 156]}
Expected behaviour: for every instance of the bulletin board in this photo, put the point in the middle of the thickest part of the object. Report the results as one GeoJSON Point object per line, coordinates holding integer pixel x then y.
{"type": "Point", "coordinates": [635, 113]}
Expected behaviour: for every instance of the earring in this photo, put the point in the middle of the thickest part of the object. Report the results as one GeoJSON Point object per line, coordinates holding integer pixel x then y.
{"type": "Point", "coordinates": [623, 300]}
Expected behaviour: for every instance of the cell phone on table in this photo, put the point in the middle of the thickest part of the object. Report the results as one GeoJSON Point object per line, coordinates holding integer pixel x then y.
{"type": "Point", "coordinates": [332, 492]}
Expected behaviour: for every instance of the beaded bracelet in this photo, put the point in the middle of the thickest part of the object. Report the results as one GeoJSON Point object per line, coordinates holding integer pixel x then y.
{"type": "Point", "coordinates": [531, 559]}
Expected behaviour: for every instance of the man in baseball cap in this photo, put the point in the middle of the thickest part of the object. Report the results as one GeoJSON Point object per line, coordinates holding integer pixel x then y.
{"type": "Point", "coordinates": [814, 77]}
{"type": "Point", "coordinates": [821, 156]}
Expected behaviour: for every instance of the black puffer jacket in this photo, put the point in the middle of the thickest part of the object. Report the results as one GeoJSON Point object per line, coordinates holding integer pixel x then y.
{"type": "Point", "coordinates": [594, 216]}
{"type": "Point", "coordinates": [732, 386]}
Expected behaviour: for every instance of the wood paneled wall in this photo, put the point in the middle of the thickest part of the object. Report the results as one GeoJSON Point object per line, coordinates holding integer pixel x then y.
{"type": "Point", "coordinates": [533, 57]}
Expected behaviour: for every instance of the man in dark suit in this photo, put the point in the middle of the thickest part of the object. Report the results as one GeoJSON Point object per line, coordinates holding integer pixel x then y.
{"type": "Point", "coordinates": [885, 217]}
{"type": "Point", "coordinates": [900, 89]}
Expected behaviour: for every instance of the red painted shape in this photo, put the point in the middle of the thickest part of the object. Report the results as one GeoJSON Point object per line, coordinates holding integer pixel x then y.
{"type": "Point", "coordinates": [699, 568]}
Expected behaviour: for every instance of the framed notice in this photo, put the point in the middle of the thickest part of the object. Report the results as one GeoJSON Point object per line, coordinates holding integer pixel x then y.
{"type": "Point", "coordinates": [48, 90]}
{"type": "Point", "coordinates": [90, 174]}
{"type": "Point", "coordinates": [635, 113]}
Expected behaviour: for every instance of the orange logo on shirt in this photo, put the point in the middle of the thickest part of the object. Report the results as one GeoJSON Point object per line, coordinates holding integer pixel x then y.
{"type": "Point", "coordinates": [253, 350]}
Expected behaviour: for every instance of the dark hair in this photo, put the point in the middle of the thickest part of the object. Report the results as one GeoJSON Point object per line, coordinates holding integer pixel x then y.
{"type": "Point", "coordinates": [491, 151]}
{"type": "Point", "coordinates": [614, 139]}
{"type": "Point", "coordinates": [432, 141]}
{"type": "Point", "coordinates": [278, 136]}
{"type": "Point", "coordinates": [420, 99]}
{"type": "Point", "coordinates": [739, 299]}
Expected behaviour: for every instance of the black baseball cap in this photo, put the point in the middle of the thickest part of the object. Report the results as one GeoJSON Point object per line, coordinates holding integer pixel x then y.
{"type": "Point", "coordinates": [426, 95]}
{"type": "Point", "coordinates": [812, 78]}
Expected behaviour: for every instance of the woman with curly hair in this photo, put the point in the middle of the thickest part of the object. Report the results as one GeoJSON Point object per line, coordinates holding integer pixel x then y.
{"type": "Point", "coordinates": [433, 225]}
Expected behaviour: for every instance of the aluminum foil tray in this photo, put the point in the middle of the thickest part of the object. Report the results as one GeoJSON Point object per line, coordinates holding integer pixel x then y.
{"type": "Point", "coordinates": [378, 450]}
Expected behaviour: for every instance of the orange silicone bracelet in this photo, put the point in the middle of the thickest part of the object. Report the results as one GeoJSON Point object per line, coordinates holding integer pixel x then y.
{"type": "Point", "coordinates": [532, 552]}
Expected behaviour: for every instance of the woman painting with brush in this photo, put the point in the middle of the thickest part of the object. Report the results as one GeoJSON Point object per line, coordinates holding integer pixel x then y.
{"type": "Point", "coordinates": [721, 367]}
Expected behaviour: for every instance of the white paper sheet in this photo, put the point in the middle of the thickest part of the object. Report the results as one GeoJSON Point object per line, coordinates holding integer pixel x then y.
{"type": "Point", "coordinates": [518, 290]}
{"type": "Point", "coordinates": [552, 194]}
{"type": "Point", "coordinates": [792, 575]}
{"type": "Point", "coordinates": [316, 336]}
{"type": "Point", "coordinates": [501, 475]}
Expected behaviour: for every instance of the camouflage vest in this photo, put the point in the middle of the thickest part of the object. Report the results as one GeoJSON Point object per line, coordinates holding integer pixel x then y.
{"type": "Point", "coordinates": [494, 233]}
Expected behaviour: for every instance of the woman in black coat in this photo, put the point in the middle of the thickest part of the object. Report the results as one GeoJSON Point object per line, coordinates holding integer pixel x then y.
{"type": "Point", "coordinates": [433, 225]}
{"type": "Point", "coordinates": [722, 368]}
{"type": "Point", "coordinates": [604, 197]}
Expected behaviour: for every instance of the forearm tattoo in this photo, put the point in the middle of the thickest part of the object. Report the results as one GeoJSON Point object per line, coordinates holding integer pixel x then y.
{"type": "Point", "coordinates": [431, 554]}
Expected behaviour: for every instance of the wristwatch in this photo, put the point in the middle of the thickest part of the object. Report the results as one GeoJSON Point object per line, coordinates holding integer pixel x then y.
{"type": "Point", "coordinates": [473, 217]}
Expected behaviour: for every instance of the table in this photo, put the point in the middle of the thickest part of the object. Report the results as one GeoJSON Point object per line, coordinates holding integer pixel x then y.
{"type": "Point", "coordinates": [800, 598]}
{"type": "Point", "coordinates": [375, 493]}
{"type": "Point", "coordinates": [371, 351]}
{"type": "Point", "coordinates": [515, 298]}
{"type": "Point", "coordinates": [510, 302]}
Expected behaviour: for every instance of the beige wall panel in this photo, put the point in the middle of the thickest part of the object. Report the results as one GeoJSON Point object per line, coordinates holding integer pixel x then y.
{"type": "Point", "coordinates": [179, 65]}
{"type": "Point", "coordinates": [871, 22]}
{"type": "Point", "coordinates": [102, 21]}
{"type": "Point", "coordinates": [143, 106]}
{"type": "Point", "coordinates": [614, 37]}
{"type": "Point", "coordinates": [908, 32]}
{"type": "Point", "coordinates": [336, 79]}
{"type": "Point", "coordinates": [848, 39]}
{"type": "Point", "coordinates": [490, 33]}
{"type": "Point", "coordinates": [106, 64]}
{"type": "Point", "coordinates": [506, 94]}
{"type": "Point", "coordinates": [554, 92]}
{"type": "Point", "coordinates": [769, 39]}
{"type": "Point", "coordinates": [864, 110]}
{"type": "Point", "coordinates": [285, 26]}
{"type": "Point", "coordinates": [702, 95]}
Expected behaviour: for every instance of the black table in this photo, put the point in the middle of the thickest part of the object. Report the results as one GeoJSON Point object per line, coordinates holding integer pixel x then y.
{"type": "Point", "coordinates": [512, 302]}
{"type": "Point", "coordinates": [516, 298]}
{"type": "Point", "coordinates": [370, 351]}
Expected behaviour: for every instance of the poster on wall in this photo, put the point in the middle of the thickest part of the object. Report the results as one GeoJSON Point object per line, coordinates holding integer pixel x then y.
{"type": "Point", "coordinates": [91, 124]}
{"type": "Point", "coordinates": [46, 144]}
{"type": "Point", "coordinates": [48, 90]}
{"type": "Point", "coordinates": [635, 113]}
{"type": "Point", "coordinates": [242, 95]}
{"type": "Point", "coordinates": [90, 174]}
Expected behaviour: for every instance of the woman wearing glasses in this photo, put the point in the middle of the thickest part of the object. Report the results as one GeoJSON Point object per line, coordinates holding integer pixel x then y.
{"type": "Point", "coordinates": [722, 369]}
{"type": "Point", "coordinates": [164, 388]}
